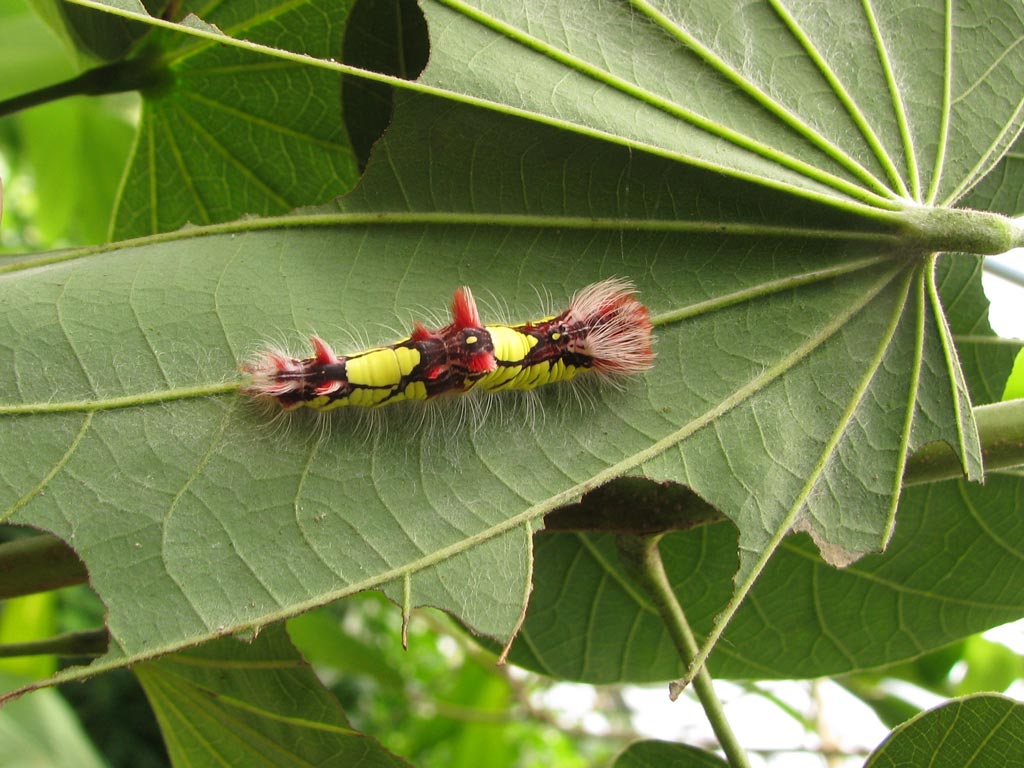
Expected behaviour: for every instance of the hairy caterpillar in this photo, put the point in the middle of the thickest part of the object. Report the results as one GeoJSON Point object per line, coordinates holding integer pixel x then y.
{"type": "Point", "coordinates": [604, 329]}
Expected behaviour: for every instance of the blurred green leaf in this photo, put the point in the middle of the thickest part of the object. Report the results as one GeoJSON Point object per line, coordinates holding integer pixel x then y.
{"type": "Point", "coordinates": [32, 56]}
{"type": "Point", "coordinates": [77, 150]}
{"type": "Point", "coordinates": [973, 732]}
{"type": "Point", "coordinates": [41, 731]}
{"type": "Point", "coordinates": [930, 671]}
{"type": "Point", "coordinates": [1015, 383]}
{"type": "Point", "coordinates": [66, 158]}
{"type": "Point", "coordinates": [93, 34]}
{"type": "Point", "coordinates": [235, 703]}
{"type": "Point", "coordinates": [990, 667]}
{"type": "Point", "coordinates": [24, 619]}
{"type": "Point", "coordinates": [322, 641]}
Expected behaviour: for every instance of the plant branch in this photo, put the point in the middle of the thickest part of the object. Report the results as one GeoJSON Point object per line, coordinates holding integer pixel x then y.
{"type": "Point", "coordinates": [38, 564]}
{"type": "Point", "coordinates": [118, 77]}
{"type": "Point", "coordinates": [641, 557]}
{"type": "Point", "coordinates": [91, 642]}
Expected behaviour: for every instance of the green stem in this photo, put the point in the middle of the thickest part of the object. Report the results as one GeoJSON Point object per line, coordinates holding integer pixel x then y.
{"type": "Point", "coordinates": [959, 229]}
{"type": "Point", "coordinates": [92, 642]}
{"type": "Point", "coordinates": [642, 558]}
{"type": "Point", "coordinates": [118, 77]}
{"type": "Point", "coordinates": [38, 564]}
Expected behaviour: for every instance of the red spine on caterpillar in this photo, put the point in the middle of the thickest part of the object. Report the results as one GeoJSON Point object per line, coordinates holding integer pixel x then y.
{"type": "Point", "coordinates": [615, 328]}
{"type": "Point", "coordinates": [464, 311]}
{"type": "Point", "coordinates": [469, 346]}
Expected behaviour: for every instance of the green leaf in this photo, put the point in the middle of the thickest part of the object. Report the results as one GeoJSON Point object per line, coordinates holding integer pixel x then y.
{"type": "Point", "coordinates": [857, 110]}
{"type": "Point", "coordinates": [77, 151]}
{"type": "Point", "coordinates": [318, 635]}
{"type": "Point", "coordinates": [235, 133]}
{"type": "Point", "coordinates": [986, 359]}
{"type": "Point", "coordinates": [665, 754]}
{"type": "Point", "coordinates": [803, 350]}
{"type": "Point", "coordinates": [92, 33]}
{"type": "Point", "coordinates": [25, 619]}
{"type": "Point", "coordinates": [587, 622]}
{"type": "Point", "coordinates": [235, 703]}
{"type": "Point", "coordinates": [990, 667]}
{"type": "Point", "coordinates": [1015, 383]}
{"type": "Point", "coordinates": [972, 732]}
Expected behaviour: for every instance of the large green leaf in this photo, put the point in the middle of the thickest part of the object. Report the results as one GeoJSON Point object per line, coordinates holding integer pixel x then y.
{"type": "Point", "coordinates": [802, 348]}
{"type": "Point", "coordinates": [863, 101]}
{"type": "Point", "coordinates": [982, 731]}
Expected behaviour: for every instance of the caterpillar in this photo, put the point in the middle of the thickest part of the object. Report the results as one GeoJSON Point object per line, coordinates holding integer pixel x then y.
{"type": "Point", "coordinates": [605, 329]}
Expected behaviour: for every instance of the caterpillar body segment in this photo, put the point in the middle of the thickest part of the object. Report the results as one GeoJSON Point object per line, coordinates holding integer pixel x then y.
{"type": "Point", "coordinates": [426, 364]}
{"type": "Point", "coordinates": [604, 329]}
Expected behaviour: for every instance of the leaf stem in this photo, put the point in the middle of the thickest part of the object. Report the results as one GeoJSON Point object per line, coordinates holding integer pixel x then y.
{"type": "Point", "coordinates": [642, 558]}
{"type": "Point", "coordinates": [38, 564]}
{"type": "Point", "coordinates": [118, 77]}
{"type": "Point", "coordinates": [91, 642]}
{"type": "Point", "coordinates": [959, 229]}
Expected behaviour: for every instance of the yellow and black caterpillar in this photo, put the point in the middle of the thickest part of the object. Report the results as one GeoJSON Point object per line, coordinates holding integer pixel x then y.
{"type": "Point", "coordinates": [604, 329]}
